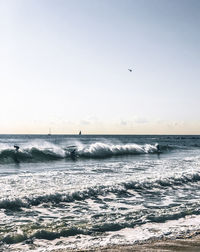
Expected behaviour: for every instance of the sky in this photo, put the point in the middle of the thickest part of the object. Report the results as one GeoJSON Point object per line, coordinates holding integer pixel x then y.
{"type": "Point", "coordinates": [64, 66]}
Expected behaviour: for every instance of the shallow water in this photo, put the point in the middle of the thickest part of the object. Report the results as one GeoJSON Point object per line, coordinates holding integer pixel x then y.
{"type": "Point", "coordinates": [114, 190]}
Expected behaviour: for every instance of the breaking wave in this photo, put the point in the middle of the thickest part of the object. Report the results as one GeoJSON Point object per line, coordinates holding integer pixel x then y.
{"type": "Point", "coordinates": [54, 152]}
{"type": "Point", "coordinates": [121, 190]}
{"type": "Point", "coordinates": [98, 150]}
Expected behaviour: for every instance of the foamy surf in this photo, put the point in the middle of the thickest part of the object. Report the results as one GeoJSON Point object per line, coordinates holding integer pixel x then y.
{"type": "Point", "coordinates": [117, 189]}
{"type": "Point", "coordinates": [47, 152]}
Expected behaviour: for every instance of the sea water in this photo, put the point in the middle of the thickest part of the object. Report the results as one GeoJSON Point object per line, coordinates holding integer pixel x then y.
{"type": "Point", "coordinates": [111, 190]}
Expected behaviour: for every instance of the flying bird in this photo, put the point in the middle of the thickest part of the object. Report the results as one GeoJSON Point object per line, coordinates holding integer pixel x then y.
{"type": "Point", "coordinates": [130, 70]}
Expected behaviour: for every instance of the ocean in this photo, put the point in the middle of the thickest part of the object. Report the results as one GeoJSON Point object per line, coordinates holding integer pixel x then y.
{"type": "Point", "coordinates": [88, 191]}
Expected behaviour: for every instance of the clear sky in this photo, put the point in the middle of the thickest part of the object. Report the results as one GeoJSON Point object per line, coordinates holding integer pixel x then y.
{"type": "Point", "coordinates": [64, 65]}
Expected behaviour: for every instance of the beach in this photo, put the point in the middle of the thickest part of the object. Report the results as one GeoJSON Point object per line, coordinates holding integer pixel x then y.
{"type": "Point", "coordinates": [100, 126]}
{"type": "Point", "coordinates": [188, 243]}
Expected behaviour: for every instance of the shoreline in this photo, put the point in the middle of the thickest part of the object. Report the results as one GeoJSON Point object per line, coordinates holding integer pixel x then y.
{"type": "Point", "coordinates": [185, 243]}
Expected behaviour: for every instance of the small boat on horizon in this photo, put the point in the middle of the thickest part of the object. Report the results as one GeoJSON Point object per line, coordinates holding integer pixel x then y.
{"type": "Point", "coordinates": [49, 134]}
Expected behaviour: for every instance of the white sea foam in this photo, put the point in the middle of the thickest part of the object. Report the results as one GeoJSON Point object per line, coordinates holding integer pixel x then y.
{"type": "Point", "coordinates": [116, 191]}
{"type": "Point", "coordinates": [103, 150]}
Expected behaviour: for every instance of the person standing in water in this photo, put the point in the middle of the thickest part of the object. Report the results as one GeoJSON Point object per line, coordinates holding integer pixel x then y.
{"type": "Point", "coordinates": [158, 149]}
{"type": "Point", "coordinates": [16, 154]}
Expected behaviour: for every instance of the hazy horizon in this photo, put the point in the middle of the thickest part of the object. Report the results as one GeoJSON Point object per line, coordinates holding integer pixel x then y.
{"type": "Point", "coordinates": [64, 65]}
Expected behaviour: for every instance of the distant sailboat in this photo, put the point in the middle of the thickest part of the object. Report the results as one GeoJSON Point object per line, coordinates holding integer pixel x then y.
{"type": "Point", "coordinates": [49, 134]}
{"type": "Point", "coordinates": [79, 132]}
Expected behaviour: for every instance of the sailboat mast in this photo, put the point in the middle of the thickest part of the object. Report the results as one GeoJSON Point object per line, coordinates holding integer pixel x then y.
{"type": "Point", "coordinates": [49, 132]}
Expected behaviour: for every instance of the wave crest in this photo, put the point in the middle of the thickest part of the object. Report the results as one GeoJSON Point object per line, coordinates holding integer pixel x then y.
{"type": "Point", "coordinates": [105, 150]}
{"type": "Point", "coordinates": [121, 190]}
{"type": "Point", "coordinates": [49, 152]}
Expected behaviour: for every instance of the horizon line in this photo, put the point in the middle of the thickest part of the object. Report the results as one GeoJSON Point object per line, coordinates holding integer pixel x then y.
{"type": "Point", "coordinates": [101, 134]}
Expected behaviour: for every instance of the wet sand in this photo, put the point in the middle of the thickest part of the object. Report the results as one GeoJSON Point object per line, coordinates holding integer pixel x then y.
{"type": "Point", "coordinates": [188, 243]}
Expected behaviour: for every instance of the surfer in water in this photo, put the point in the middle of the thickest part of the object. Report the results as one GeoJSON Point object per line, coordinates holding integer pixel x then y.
{"type": "Point", "coordinates": [72, 151]}
{"type": "Point", "coordinates": [158, 148]}
{"type": "Point", "coordinates": [16, 148]}
{"type": "Point", "coordinates": [73, 154]}
{"type": "Point", "coordinates": [16, 154]}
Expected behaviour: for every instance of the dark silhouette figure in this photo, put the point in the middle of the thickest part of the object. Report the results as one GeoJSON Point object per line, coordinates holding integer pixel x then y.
{"type": "Point", "coordinates": [158, 149]}
{"type": "Point", "coordinates": [73, 154]}
{"type": "Point", "coordinates": [16, 154]}
{"type": "Point", "coordinates": [16, 148]}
